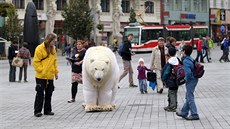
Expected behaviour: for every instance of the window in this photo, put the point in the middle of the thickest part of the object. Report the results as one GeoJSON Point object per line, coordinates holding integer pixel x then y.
{"type": "Point", "coordinates": [135, 32]}
{"type": "Point", "coordinates": [151, 34]}
{"type": "Point", "coordinates": [19, 4]}
{"type": "Point", "coordinates": [179, 35]}
{"type": "Point", "coordinates": [39, 4]}
{"type": "Point", "coordinates": [105, 5]}
{"type": "Point", "coordinates": [149, 7]}
{"type": "Point", "coordinates": [60, 4]}
{"type": "Point", "coordinates": [125, 6]}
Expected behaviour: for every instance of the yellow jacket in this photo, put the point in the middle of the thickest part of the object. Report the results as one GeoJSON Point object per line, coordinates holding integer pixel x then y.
{"type": "Point", "coordinates": [45, 65]}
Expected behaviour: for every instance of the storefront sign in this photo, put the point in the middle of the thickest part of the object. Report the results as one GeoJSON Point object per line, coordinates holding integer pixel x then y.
{"type": "Point", "coordinates": [187, 16]}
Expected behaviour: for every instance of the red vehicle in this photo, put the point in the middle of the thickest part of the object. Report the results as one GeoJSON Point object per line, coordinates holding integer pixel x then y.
{"type": "Point", "coordinates": [145, 37]}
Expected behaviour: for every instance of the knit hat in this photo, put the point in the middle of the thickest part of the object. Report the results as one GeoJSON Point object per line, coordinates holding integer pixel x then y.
{"type": "Point", "coordinates": [141, 59]}
{"type": "Point", "coordinates": [172, 51]}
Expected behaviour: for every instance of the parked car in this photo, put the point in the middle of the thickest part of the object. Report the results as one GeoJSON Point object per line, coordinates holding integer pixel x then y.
{"type": "Point", "coordinates": [4, 45]}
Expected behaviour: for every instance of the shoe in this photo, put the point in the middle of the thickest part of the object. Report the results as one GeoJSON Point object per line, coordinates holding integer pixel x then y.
{"type": "Point", "coordinates": [71, 101]}
{"type": "Point", "coordinates": [49, 113]}
{"type": "Point", "coordinates": [146, 92]}
{"type": "Point", "coordinates": [166, 108]}
{"type": "Point", "coordinates": [171, 109]}
{"type": "Point", "coordinates": [160, 91]}
{"type": "Point", "coordinates": [19, 81]}
{"type": "Point", "coordinates": [25, 81]}
{"type": "Point", "coordinates": [192, 118]}
{"type": "Point", "coordinates": [39, 114]}
{"type": "Point", "coordinates": [118, 87]}
{"type": "Point", "coordinates": [220, 60]}
{"type": "Point", "coordinates": [142, 92]}
{"type": "Point", "coordinates": [180, 115]}
{"type": "Point", "coordinates": [132, 85]}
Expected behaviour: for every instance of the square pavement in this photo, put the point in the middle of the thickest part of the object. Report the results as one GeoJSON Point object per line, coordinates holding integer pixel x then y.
{"type": "Point", "coordinates": [133, 110]}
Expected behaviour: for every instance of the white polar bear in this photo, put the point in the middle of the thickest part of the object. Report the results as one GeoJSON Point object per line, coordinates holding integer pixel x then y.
{"type": "Point", "coordinates": [100, 75]}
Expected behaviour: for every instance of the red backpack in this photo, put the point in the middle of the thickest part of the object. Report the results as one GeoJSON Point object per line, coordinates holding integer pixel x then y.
{"type": "Point", "coordinates": [198, 70]}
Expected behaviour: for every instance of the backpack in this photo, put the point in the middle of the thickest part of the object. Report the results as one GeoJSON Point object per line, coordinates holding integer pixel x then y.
{"type": "Point", "coordinates": [198, 70]}
{"type": "Point", "coordinates": [120, 49]}
{"type": "Point", "coordinates": [178, 74]}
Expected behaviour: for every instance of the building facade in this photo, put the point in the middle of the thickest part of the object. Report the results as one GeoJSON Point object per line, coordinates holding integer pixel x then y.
{"type": "Point", "coordinates": [185, 11]}
{"type": "Point", "coordinates": [220, 18]}
{"type": "Point", "coordinates": [147, 11]}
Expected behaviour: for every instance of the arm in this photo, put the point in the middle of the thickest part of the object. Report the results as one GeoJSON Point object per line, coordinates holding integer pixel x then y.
{"type": "Point", "coordinates": [152, 58]}
{"type": "Point", "coordinates": [37, 60]}
{"type": "Point", "coordinates": [165, 72]}
{"type": "Point", "coordinates": [187, 69]}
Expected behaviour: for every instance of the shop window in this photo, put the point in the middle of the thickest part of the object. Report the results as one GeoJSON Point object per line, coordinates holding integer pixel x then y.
{"type": "Point", "coordinates": [125, 6]}
{"type": "Point", "coordinates": [19, 4]}
{"type": "Point", "coordinates": [60, 4]}
{"type": "Point", "coordinates": [105, 5]}
{"type": "Point", "coordinates": [149, 7]}
{"type": "Point", "coordinates": [39, 4]}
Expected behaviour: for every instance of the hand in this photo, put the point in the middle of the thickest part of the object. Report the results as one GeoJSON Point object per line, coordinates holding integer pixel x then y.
{"type": "Point", "coordinates": [77, 63]}
{"type": "Point", "coordinates": [152, 68]}
{"type": "Point", "coordinates": [56, 77]}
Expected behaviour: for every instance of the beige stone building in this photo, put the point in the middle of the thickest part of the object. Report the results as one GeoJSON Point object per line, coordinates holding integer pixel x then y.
{"type": "Point", "coordinates": [113, 14]}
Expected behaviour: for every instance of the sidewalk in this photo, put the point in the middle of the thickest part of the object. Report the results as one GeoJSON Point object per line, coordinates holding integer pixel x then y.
{"type": "Point", "coordinates": [134, 110]}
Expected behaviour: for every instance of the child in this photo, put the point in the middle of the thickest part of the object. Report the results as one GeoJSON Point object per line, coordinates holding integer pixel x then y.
{"type": "Point", "coordinates": [142, 76]}
{"type": "Point", "coordinates": [170, 81]}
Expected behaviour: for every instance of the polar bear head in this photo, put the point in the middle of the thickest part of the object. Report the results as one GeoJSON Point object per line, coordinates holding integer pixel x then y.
{"type": "Point", "coordinates": [99, 69]}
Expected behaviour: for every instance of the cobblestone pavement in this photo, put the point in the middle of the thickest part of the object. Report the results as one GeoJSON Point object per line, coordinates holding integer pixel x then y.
{"type": "Point", "coordinates": [134, 110]}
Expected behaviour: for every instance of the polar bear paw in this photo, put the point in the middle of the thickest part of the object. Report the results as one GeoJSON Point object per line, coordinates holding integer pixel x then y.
{"type": "Point", "coordinates": [90, 108]}
{"type": "Point", "coordinates": [106, 108]}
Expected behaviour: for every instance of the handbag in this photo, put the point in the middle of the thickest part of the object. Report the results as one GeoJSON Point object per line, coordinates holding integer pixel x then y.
{"type": "Point", "coordinates": [151, 76]}
{"type": "Point", "coordinates": [17, 62]}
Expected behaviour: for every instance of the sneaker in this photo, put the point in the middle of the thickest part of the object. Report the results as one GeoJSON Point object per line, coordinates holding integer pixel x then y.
{"type": "Point", "coordinates": [39, 114]}
{"type": "Point", "coordinates": [71, 101]}
{"type": "Point", "coordinates": [192, 118]}
{"type": "Point", "coordinates": [171, 109]}
{"type": "Point", "coordinates": [180, 115]}
{"type": "Point", "coordinates": [49, 113]}
{"type": "Point", "coordinates": [166, 108]}
{"type": "Point", "coordinates": [25, 81]}
{"type": "Point", "coordinates": [132, 85]}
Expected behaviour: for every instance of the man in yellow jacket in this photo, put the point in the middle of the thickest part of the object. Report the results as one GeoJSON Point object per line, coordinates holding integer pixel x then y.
{"type": "Point", "coordinates": [45, 65]}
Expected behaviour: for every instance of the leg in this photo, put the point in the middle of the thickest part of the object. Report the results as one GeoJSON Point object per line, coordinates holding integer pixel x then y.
{"type": "Point", "coordinates": [126, 70]}
{"type": "Point", "coordinates": [90, 94]}
{"type": "Point", "coordinates": [190, 97]}
{"type": "Point", "coordinates": [25, 73]}
{"type": "Point", "coordinates": [48, 95]}
{"type": "Point", "coordinates": [20, 74]}
{"type": "Point", "coordinates": [130, 74]}
{"type": "Point", "coordinates": [38, 104]}
{"type": "Point", "coordinates": [74, 90]}
{"type": "Point", "coordinates": [159, 82]}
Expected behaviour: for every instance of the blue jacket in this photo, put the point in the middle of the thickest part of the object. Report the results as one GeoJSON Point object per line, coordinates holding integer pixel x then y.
{"type": "Point", "coordinates": [188, 68]}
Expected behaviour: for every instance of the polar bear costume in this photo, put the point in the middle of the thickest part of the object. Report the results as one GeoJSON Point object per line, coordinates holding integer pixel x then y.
{"type": "Point", "coordinates": [100, 75]}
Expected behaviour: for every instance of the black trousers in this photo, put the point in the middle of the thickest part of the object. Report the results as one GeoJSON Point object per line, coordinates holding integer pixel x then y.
{"type": "Point", "coordinates": [199, 55]}
{"type": "Point", "coordinates": [74, 89]}
{"type": "Point", "coordinates": [44, 90]}
{"type": "Point", "coordinates": [12, 72]}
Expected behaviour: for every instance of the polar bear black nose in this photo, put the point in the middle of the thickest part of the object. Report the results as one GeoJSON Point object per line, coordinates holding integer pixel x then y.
{"type": "Point", "coordinates": [98, 79]}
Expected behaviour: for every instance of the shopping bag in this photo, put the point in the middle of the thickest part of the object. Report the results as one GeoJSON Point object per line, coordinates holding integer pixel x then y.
{"type": "Point", "coordinates": [152, 85]}
{"type": "Point", "coordinates": [151, 76]}
{"type": "Point", "coordinates": [17, 62]}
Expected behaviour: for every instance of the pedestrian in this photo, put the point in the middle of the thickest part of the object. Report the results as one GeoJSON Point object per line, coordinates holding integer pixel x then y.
{"type": "Point", "coordinates": [171, 43]}
{"type": "Point", "coordinates": [63, 44]}
{"type": "Point", "coordinates": [205, 48]}
{"type": "Point", "coordinates": [199, 50]}
{"type": "Point", "coordinates": [76, 61]}
{"type": "Point", "coordinates": [12, 52]}
{"type": "Point", "coordinates": [158, 61]}
{"type": "Point", "coordinates": [115, 45]}
{"type": "Point", "coordinates": [142, 76]}
{"type": "Point", "coordinates": [24, 53]}
{"type": "Point", "coordinates": [181, 47]}
{"type": "Point", "coordinates": [169, 79]}
{"type": "Point", "coordinates": [126, 55]}
{"type": "Point", "coordinates": [210, 47]}
{"type": "Point", "coordinates": [191, 83]}
{"type": "Point", "coordinates": [225, 43]}
{"type": "Point", "coordinates": [45, 65]}
{"type": "Point", "coordinates": [68, 51]}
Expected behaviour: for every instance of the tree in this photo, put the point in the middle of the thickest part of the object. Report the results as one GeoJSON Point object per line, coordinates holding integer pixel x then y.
{"type": "Point", "coordinates": [78, 21]}
{"type": "Point", "coordinates": [12, 28]}
{"type": "Point", "coordinates": [132, 18]}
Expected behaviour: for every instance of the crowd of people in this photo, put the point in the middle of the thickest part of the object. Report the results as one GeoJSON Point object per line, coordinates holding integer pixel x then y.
{"type": "Point", "coordinates": [163, 56]}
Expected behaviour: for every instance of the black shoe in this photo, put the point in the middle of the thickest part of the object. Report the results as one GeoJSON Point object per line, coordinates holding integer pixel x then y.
{"type": "Point", "coordinates": [192, 118]}
{"type": "Point", "coordinates": [25, 81]}
{"type": "Point", "coordinates": [142, 92]}
{"type": "Point", "coordinates": [71, 101]}
{"type": "Point", "coordinates": [160, 91]}
{"type": "Point", "coordinates": [146, 92]}
{"type": "Point", "coordinates": [132, 85]}
{"type": "Point", "coordinates": [179, 114]}
{"type": "Point", "coordinates": [39, 114]}
{"type": "Point", "coordinates": [171, 109]}
{"type": "Point", "coordinates": [220, 60]}
{"type": "Point", "coordinates": [118, 87]}
{"type": "Point", "coordinates": [166, 108]}
{"type": "Point", "coordinates": [49, 113]}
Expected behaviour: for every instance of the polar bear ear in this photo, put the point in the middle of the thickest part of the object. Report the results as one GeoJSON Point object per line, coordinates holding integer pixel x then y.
{"type": "Point", "coordinates": [107, 62]}
{"type": "Point", "coordinates": [91, 60]}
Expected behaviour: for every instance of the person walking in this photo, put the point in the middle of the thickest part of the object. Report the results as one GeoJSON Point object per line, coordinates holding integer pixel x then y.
{"type": "Point", "coordinates": [210, 47]}
{"type": "Point", "coordinates": [126, 58]}
{"type": "Point", "coordinates": [158, 61]}
{"type": "Point", "coordinates": [199, 51]}
{"type": "Point", "coordinates": [205, 47]}
{"type": "Point", "coordinates": [24, 53]}
{"type": "Point", "coordinates": [169, 79]}
{"type": "Point", "coordinates": [191, 83]}
{"type": "Point", "coordinates": [142, 76]}
{"type": "Point", "coordinates": [225, 44]}
{"type": "Point", "coordinates": [12, 52]}
{"type": "Point", "coordinates": [76, 61]}
{"type": "Point", "coordinates": [63, 44]}
{"type": "Point", "coordinates": [45, 65]}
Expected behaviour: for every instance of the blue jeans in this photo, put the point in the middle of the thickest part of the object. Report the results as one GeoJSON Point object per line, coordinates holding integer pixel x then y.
{"type": "Point", "coordinates": [189, 104]}
{"type": "Point", "coordinates": [143, 84]}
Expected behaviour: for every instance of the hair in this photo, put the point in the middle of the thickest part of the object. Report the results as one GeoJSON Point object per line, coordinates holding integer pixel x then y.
{"type": "Point", "coordinates": [187, 49]}
{"type": "Point", "coordinates": [130, 35]}
{"type": "Point", "coordinates": [49, 38]}
{"type": "Point", "coordinates": [171, 40]}
{"type": "Point", "coordinates": [15, 42]}
{"type": "Point", "coordinates": [25, 44]}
